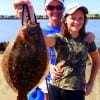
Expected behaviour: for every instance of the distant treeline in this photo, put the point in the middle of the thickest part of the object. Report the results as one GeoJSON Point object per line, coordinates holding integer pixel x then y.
{"type": "Point", "coordinates": [15, 17]}
{"type": "Point", "coordinates": [93, 16]}
{"type": "Point", "coordinates": [90, 16]}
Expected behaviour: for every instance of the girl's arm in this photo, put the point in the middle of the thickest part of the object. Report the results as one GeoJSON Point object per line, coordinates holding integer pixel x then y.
{"type": "Point", "coordinates": [96, 64]}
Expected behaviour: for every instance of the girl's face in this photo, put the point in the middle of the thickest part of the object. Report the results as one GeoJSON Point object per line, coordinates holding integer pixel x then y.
{"type": "Point", "coordinates": [75, 22]}
{"type": "Point", "coordinates": [54, 11]}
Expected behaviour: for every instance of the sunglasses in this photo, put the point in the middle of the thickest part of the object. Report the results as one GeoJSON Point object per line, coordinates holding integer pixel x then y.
{"type": "Point", "coordinates": [58, 7]}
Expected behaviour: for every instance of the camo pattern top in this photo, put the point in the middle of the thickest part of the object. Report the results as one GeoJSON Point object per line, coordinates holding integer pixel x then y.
{"type": "Point", "coordinates": [72, 53]}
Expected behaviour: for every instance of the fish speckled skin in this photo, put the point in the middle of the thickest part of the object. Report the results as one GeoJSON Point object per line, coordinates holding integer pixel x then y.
{"type": "Point", "coordinates": [26, 64]}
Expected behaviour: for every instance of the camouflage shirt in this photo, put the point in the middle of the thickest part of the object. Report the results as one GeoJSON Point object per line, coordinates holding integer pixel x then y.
{"type": "Point", "coordinates": [73, 53]}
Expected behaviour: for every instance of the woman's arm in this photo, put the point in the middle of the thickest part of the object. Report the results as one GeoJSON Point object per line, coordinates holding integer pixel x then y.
{"type": "Point", "coordinates": [90, 37]}
{"type": "Point", "coordinates": [50, 40]}
{"type": "Point", "coordinates": [96, 64]}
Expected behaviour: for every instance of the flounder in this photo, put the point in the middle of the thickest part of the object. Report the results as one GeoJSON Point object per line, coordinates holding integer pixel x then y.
{"type": "Point", "coordinates": [24, 64]}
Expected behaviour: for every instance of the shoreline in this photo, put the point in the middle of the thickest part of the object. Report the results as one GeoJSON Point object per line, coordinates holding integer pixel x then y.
{"type": "Point", "coordinates": [89, 16]}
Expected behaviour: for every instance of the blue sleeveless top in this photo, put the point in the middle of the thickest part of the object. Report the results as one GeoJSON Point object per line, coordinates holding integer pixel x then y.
{"type": "Point", "coordinates": [47, 31]}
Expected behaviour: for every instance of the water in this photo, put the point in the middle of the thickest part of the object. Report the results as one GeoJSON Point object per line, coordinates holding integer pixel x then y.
{"type": "Point", "coordinates": [94, 26]}
{"type": "Point", "coordinates": [9, 29]}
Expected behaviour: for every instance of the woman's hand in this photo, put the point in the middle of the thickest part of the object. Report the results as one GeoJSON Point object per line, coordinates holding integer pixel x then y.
{"type": "Point", "coordinates": [90, 37]}
{"type": "Point", "coordinates": [18, 8]}
{"type": "Point", "coordinates": [55, 72]}
{"type": "Point", "coordinates": [88, 88]}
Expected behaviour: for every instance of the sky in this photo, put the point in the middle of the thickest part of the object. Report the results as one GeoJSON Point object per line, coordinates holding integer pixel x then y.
{"type": "Point", "coordinates": [6, 6]}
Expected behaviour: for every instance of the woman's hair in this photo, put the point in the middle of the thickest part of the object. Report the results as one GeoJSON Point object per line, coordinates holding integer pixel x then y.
{"type": "Point", "coordinates": [64, 28]}
{"type": "Point", "coordinates": [46, 0]}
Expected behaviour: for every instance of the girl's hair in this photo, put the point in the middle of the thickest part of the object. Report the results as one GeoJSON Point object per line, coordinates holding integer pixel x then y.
{"type": "Point", "coordinates": [64, 28]}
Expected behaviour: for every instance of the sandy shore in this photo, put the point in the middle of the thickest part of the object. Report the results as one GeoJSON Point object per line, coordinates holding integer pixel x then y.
{"type": "Point", "coordinates": [6, 93]}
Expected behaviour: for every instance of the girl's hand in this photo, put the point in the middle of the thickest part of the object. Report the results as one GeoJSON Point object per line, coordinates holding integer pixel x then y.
{"type": "Point", "coordinates": [88, 88]}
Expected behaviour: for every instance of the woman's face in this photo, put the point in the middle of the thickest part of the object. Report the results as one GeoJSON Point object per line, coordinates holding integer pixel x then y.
{"type": "Point", "coordinates": [55, 14]}
{"type": "Point", "coordinates": [75, 22]}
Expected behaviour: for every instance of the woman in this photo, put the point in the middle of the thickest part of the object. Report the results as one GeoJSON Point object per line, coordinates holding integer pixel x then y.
{"type": "Point", "coordinates": [54, 10]}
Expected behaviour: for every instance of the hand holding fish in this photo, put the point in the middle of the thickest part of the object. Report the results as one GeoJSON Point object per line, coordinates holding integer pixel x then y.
{"type": "Point", "coordinates": [18, 8]}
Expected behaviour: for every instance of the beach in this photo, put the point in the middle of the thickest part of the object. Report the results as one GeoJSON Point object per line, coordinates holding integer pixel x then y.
{"type": "Point", "coordinates": [6, 93]}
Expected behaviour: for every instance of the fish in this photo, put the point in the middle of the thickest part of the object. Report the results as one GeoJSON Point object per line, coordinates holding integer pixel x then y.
{"type": "Point", "coordinates": [26, 64]}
